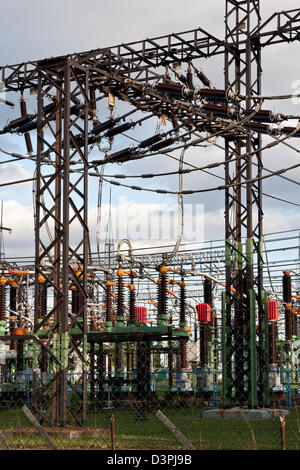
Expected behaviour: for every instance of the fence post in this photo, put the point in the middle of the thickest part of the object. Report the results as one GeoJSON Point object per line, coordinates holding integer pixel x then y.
{"type": "Point", "coordinates": [171, 427]}
{"type": "Point", "coordinates": [113, 432]}
{"type": "Point", "coordinates": [282, 431]}
{"type": "Point", "coordinates": [39, 428]}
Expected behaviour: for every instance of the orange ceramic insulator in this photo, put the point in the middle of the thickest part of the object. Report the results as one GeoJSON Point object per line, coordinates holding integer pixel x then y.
{"type": "Point", "coordinates": [110, 283]}
{"type": "Point", "coordinates": [3, 280]}
{"type": "Point", "coordinates": [122, 272]}
{"type": "Point", "coordinates": [164, 270]}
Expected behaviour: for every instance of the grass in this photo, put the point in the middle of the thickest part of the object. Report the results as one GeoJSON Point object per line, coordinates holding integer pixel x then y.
{"type": "Point", "coordinates": [132, 433]}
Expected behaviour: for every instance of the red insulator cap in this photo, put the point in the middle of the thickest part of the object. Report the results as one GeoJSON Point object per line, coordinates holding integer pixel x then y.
{"type": "Point", "coordinates": [273, 310]}
{"type": "Point", "coordinates": [204, 313]}
{"type": "Point", "coordinates": [140, 314]}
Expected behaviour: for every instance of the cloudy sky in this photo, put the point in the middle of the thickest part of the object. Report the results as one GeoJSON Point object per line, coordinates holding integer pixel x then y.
{"type": "Point", "coordinates": [35, 29]}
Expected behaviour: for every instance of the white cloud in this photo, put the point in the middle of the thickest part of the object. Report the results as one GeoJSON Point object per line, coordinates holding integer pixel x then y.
{"type": "Point", "coordinates": [19, 218]}
{"type": "Point", "coordinates": [13, 171]}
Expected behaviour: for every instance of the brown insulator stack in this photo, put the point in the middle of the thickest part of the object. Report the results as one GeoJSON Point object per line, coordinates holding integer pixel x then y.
{"type": "Point", "coordinates": [183, 342]}
{"type": "Point", "coordinates": [120, 301]}
{"type": "Point", "coordinates": [93, 106]}
{"type": "Point", "coordinates": [162, 296]}
{"type": "Point", "coordinates": [183, 354]}
{"type": "Point", "coordinates": [182, 301]}
{"type": "Point", "coordinates": [108, 302]}
{"type": "Point", "coordinates": [2, 302]}
{"type": "Point", "coordinates": [203, 78]}
{"type": "Point", "coordinates": [131, 303]}
{"type": "Point", "coordinates": [159, 297]}
{"type": "Point", "coordinates": [287, 299]}
{"type": "Point", "coordinates": [26, 134]}
{"type": "Point", "coordinates": [42, 300]}
{"type": "Point", "coordinates": [189, 78]}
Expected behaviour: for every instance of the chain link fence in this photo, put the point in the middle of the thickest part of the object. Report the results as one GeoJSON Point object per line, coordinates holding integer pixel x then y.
{"type": "Point", "coordinates": [126, 385]}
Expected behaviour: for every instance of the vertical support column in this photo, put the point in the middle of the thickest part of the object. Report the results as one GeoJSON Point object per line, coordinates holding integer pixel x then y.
{"type": "Point", "coordinates": [243, 215]}
{"type": "Point", "coordinates": [266, 353]}
{"type": "Point", "coordinates": [226, 346]}
{"type": "Point", "coordinates": [61, 201]}
{"type": "Point", "coordinates": [252, 380]}
{"type": "Point", "coordinates": [92, 371]}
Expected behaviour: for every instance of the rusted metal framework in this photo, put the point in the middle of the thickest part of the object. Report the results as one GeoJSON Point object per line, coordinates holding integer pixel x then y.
{"type": "Point", "coordinates": [245, 349]}
{"type": "Point", "coordinates": [67, 89]}
{"type": "Point", "coordinates": [61, 203]}
{"type": "Point", "coordinates": [242, 204]}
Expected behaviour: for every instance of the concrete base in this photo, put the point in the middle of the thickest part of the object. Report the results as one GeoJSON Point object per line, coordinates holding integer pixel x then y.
{"type": "Point", "coordinates": [244, 413]}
